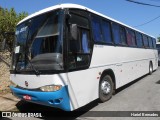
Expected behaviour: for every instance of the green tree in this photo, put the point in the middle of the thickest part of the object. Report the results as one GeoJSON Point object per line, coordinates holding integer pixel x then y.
{"type": "Point", "coordinates": [8, 21]}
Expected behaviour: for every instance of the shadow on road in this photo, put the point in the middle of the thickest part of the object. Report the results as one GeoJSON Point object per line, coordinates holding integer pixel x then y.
{"type": "Point", "coordinates": [158, 82]}
{"type": "Point", "coordinates": [50, 112]}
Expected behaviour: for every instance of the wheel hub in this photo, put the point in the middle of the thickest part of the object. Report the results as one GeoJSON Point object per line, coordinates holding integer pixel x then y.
{"type": "Point", "coordinates": [106, 87]}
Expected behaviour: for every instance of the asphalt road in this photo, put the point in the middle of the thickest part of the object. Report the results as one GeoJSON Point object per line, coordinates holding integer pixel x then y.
{"type": "Point", "coordinates": [141, 95]}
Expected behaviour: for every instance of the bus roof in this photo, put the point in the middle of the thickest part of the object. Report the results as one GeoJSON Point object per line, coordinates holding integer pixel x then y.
{"type": "Point", "coordinates": [68, 5]}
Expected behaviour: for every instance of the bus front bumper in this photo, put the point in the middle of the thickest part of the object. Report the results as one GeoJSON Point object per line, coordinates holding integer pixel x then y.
{"type": "Point", "coordinates": [59, 99]}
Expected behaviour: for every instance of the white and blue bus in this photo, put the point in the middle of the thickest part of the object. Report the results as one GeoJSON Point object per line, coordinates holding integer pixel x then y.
{"type": "Point", "coordinates": [68, 55]}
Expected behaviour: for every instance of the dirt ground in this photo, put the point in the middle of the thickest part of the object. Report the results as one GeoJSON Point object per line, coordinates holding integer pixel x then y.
{"type": "Point", "coordinates": [4, 74]}
{"type": "Point", "coordinates": [8, 102]}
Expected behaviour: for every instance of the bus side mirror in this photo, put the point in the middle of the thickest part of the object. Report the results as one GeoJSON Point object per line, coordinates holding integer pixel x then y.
{"type": "Point", "coordinates": [74, 31]}
{"type": "Point", "coordinates": [3, 45]}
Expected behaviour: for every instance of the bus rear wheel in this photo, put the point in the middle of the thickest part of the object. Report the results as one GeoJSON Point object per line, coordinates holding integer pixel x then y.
{"type": "Point", "coordinates": [150, 68]}
{"type": "Point", "coordinates": [105, 88]}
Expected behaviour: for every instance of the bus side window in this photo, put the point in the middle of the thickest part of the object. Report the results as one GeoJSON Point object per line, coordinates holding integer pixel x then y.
{"type": "Point", "coordinates": [139, 39]}
{"type": "Point", "coordinates": [131, 37]}
{"type": "Point", "coordinates": [119, 34]}
{"type": "Point", "coordinates": [106, 28]}
{"type": "Point", "coordinates": [80, 56]}
{"type": "Point", "coordinates": [150, 42]}
{"type": "Point", "coordinates": [96, 26]}
{"type": "Point", "coordinates": [145, 41]}
{"type": "Point", "coordinates": [83, 58]}
{"type": "Point", "coordinates": [85, 41]}
{"type": "Point", "coordinates": [116, 33]}
{"type": "Point", "coordinates": [123, 35]}
{"type": "Point", "coordinates": [154, 43]}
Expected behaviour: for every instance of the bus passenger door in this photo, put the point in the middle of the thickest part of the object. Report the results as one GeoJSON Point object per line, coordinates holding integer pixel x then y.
{"type": "Point", "coordinates": [79, 43]}
{"type": "Point", "coordinates": [79, 55]}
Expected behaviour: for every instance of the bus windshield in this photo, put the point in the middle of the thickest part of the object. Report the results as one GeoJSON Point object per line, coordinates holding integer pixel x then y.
{"type": "Point", "coordinates": [39, 44]}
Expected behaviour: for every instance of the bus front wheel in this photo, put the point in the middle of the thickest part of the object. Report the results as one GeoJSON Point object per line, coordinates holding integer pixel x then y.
{"type": "Point", "coordinates": [105, 88]}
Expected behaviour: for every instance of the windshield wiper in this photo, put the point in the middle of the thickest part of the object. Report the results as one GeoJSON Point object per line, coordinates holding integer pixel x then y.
{"type": "Point", "coordinates": [33, 68]}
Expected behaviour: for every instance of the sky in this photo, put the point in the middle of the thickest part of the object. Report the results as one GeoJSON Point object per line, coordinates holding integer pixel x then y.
{"type": "Point", "coordinates": [126, 12]}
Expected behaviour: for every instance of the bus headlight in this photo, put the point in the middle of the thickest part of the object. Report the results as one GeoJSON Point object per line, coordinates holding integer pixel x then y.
{"type": "Point", "coordinates": [13, 84]}
{"type": "Point", "coordinates": [50, 88]}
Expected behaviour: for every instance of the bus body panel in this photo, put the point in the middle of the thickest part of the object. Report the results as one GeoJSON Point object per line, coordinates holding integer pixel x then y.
{"type": "Point", "coordinates": [126, 61]}
{"type": "Point", "coordinates": [85, 85]}
{"type": "Point", "coordinates": [35, 81]}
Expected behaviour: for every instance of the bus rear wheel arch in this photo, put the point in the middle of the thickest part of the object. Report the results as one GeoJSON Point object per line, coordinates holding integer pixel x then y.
{"type": "Point", "coordinates": [106, 88]}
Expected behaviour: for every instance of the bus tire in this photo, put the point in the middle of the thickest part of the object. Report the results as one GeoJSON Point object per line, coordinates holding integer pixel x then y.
{"type": "Point", "coordinates": [105, 88]}
{"type": "Point", "coordinates": [150, 68]}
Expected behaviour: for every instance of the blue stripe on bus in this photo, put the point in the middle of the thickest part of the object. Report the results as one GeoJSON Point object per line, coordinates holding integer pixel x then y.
{"type": "Point", "coordinates": [59, 99]}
